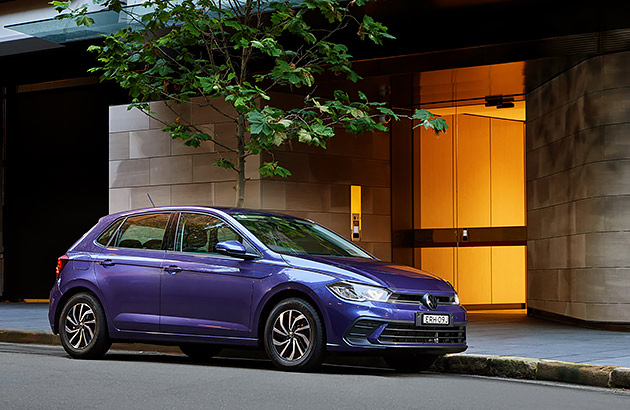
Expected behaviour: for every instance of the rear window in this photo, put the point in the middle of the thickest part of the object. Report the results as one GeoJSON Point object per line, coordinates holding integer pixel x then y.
{"type": "Point", "coordinates": [142, 232]}
{"type": "Point", "coordinates": [104, 238]}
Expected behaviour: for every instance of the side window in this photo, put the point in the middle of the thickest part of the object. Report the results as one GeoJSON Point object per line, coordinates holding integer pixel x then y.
{"type": "Point", "coordinates": [104, 238]}
{"type": "Point", "coordinates": [200, 233]}
{"type": "Point", "coordinates": [142, 231]}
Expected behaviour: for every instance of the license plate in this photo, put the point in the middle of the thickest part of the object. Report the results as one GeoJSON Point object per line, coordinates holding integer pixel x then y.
{"type": "Point", "coordinates": [433, 319]}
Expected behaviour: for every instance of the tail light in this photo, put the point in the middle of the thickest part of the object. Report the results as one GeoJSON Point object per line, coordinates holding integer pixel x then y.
{"type": "Point", "coordinates": [61, 262]}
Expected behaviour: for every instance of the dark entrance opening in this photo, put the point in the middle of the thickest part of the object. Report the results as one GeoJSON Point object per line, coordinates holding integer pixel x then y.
{"type": "Point", "coordinates": [56, 181]}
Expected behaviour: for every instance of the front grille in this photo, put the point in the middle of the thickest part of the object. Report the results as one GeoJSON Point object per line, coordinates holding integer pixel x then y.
{"type": "Point", "coordinates": [413, 299]}
{"type": "Point", "coordinates": [397, 333]}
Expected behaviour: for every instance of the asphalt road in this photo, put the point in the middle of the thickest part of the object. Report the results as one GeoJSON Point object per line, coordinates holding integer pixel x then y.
{"type": "Point", "coordinates": [44, 377]}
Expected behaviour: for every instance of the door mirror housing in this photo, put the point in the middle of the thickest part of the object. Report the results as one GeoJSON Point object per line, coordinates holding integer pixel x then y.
{"type": "Point", "coordinates": [234, 249]}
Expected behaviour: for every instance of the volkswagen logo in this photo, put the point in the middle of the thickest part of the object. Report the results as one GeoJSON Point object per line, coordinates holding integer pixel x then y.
{"type": "Point", "coordinates": [430, 301]}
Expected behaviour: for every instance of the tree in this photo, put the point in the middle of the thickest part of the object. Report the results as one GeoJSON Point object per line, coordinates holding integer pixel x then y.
{"type": "Point", "coordinates": [181, 51]}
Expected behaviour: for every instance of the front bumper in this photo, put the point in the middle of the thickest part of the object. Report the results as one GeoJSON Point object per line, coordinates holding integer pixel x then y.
{"type": "Point", "coordinates": [374, 326]}
{"type": "Point", "coordinates": [378, 333]}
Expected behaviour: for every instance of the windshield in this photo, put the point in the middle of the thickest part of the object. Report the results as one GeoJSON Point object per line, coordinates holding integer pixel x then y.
{"type": "Point", "coordinates": [298, 237]}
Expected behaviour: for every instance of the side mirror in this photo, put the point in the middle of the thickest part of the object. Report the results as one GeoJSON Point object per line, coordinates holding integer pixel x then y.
{"type": "Point", "coordinates": [232, 248]}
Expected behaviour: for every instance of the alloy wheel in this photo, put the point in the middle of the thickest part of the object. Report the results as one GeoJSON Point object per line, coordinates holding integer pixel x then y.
{"type": "Point", "coordinates": [292, 337]}
{"type": "Point", "coordinates": [80, 325]}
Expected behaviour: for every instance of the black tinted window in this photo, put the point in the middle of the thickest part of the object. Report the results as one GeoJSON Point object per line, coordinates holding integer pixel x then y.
{"type": "Point", "coordinates": [201, 233]}
{"type": "Point", "coordinates": [104, 238]}
{"type": "Point", "coordinates": [143, 231]}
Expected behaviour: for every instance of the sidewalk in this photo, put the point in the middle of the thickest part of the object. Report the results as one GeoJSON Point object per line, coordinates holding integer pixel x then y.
{"type": "Point", "coordinates": [501, 343]}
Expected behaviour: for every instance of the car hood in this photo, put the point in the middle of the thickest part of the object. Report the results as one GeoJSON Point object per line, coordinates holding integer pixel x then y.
{"type": "Point", "coordinates": [370, 271]}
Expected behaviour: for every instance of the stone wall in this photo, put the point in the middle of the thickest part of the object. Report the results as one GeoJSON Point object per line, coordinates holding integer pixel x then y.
{"type": "Point", "coordinates": [578, 192]}
{"type": "Point", "coordinates": [144, 160]}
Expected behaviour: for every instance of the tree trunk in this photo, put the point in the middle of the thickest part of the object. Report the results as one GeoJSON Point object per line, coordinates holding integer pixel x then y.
{"type": "Point", "coordinates": [240, 162]}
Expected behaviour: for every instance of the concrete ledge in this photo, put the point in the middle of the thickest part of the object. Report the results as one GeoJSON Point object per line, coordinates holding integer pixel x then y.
{"type": "Point", "coordinates": [480, 365]}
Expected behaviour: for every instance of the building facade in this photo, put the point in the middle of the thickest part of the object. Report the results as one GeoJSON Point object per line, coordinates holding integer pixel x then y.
{"type": "Point", "coordinates": [524, 202]}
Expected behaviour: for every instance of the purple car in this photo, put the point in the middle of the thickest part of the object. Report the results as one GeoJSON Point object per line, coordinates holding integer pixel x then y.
{"type": "Point", "coordinates": [205, 278]}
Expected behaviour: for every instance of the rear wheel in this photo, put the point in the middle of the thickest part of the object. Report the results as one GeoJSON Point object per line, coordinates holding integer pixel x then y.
{"type": "Point", "coordinates": [82, 327]}
{"type": "Point", "coordinates": [200, 352]}
{"type": "Point", "coordinates": [294, 336]}
{"type": "Point", "coordinates": [409, 362]}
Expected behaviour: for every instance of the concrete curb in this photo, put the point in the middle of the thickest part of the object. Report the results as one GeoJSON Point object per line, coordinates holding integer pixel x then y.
{"type": "Point", "coordinates": [535, 369]}
{"type": "Point", "coordinates": [479, 365]}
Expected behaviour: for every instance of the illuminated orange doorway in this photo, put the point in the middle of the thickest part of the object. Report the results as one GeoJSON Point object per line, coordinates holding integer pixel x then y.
{"type": "Point", "coordinates": [469, 195]}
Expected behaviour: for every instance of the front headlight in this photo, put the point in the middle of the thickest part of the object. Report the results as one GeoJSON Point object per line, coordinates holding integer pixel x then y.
{"type": "Point", "coordinates": [359, 293]}
{"type": "Point", "coordinates": [455, 299]}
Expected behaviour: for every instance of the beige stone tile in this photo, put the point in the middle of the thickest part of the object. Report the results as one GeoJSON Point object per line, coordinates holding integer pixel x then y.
{"type": "Point", "coordinates": [121, 119]}
{"type": "Point", "coordinates": [340, 223]}
{"type": "Point", "coordinates": [252, 194]}
{"type": "Point", "coordinates": [615, 70]}
{"type": "Point", "coordinates": [533, 106]}
{"type": "Point", "coordinates": [225, 136]}
{"type": "Point", "coordinates": [616, 213]}
{"type": "Point", "coordinates": [204, 170]}
{"type": "Point", "coordinates": [193, 194]}
{"type": "Point", "coordinates": [127, 173]}
{"type": "Point", "coordinates": [274, 195]}
{"type": "Point", "coordinates": [607, 178]}
{"type": "Point", "coordinates": [307, 197]}
{"type": "Point", "coordinates": [119, 146]}
{"type": "Point", "coordinates": [119, 199]}
{"type": "Point", "coordinates": [150, 143]}
{"type": "Point", "coordinates": [381, 201]}
{"type": "Point", "coordinates": [589, 146]}
{"type": "Point", "coordinates": [607, 249]}
{"type": "Point", "coordinates": [225, 193]}
{"type": "Point", "coordinates": [161, 196]}
{"type": "Point", "coordinates": [617, 141]}
{"type": "Point", "coordinates": [178, 147]}
{"type": "Point", "coordinates": [370, 172]}
{"type": "Point", "coordinates": [202, 113]}
{"type": "Point", "coordinates": [376, 228]}
{"type": "Point", "coordinates": [607, 107]}
{"type": "Point", "coordinates": [340, 198]}
{"type": "Point", "coordinates": [166, 113]}
{"type": "Point", "coordinates": [383, 251]}
{"type": "Point", "coordinates": [252, 165]}
{"type": "Point", "coordinates": [329, 169]}
{"type": "Point", "coordinates": [611, 313]}
{"type": "Point", "coordinates": [171, 170]}
{"type": "Point", "coordinates": [589, 215]}
{"type": "Point", "coordinates": [584, 78]}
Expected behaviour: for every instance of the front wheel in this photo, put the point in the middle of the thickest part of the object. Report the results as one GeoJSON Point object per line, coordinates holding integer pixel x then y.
{"type": "Point", "coordinates": [409, 362]}
{"type": "Point", "coordinates": [82, 327]}
{"type": "Point", "coordinates": [294, 336]}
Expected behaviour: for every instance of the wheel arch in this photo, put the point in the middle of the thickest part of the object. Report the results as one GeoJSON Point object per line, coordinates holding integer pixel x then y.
{"type": "Point", "coordinates": [286, 292]}
{"type": "Point", "coordinates": [70, 292]}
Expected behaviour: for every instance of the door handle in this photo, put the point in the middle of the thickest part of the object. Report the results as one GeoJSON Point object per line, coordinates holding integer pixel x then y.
{"type": "Point", "coordinates": [107, 263]}
{"type": "Point", "coordinates": [172, 269]}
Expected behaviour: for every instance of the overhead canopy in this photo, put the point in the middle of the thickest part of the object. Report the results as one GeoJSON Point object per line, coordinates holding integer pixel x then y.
{"type": "Point", "coordinates": [66, 30]}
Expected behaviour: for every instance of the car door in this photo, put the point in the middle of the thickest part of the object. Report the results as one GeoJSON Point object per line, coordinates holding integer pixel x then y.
{"type": "Point", "coordinates": [128, 272]}
{"type": "Point", "coordinates": [202, 292]}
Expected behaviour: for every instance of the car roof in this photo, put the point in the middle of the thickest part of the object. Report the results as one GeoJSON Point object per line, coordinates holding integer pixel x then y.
{"type": "Point", "coordinates": [227, 210]}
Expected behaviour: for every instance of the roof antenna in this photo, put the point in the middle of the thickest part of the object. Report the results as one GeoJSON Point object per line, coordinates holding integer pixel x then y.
{"type": "Point", "coordinates": [152, 203]}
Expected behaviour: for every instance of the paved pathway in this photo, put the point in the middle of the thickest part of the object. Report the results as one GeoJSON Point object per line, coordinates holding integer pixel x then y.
{"type": "Point", "coordinates": [507, 333]}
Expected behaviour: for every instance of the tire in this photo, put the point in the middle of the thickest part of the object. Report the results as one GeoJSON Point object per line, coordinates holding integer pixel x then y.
{"type": "Point", "coordinates": [409, 362]}
{"type": "Point", "coordinates": [294, 336]}
{"type": "Point", "coordinates": [83, 328]}
{"type": "Point", "coordinates": [200, 352]}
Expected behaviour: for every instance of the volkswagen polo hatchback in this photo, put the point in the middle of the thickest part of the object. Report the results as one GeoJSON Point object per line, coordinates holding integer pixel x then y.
{"type": "Point", "coordinates": [206, 278]}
